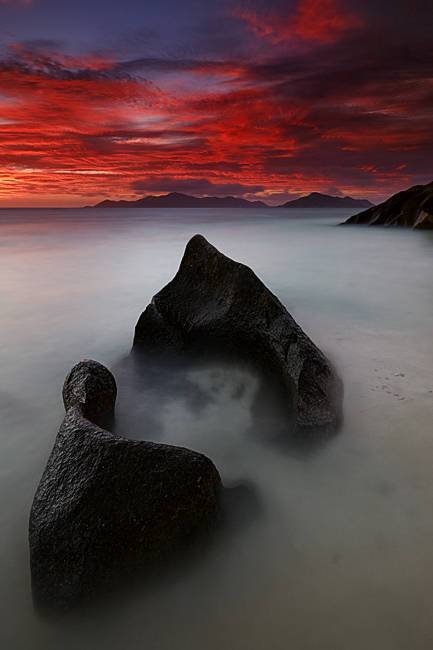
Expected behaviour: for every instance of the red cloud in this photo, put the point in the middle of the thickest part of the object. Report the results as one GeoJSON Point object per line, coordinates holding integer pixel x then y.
{"type": "Point", "coordinates": [322, 20]}
{"type": "Point", "coordinates": [314, 20]}
{"type": "Point", "coordinates": [75, 130]}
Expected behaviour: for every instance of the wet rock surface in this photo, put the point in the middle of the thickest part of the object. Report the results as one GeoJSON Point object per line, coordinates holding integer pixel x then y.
{"type": "Point", "coordinates": [107, 506]}
{"type": "Point", "coordinates": [215, 303]}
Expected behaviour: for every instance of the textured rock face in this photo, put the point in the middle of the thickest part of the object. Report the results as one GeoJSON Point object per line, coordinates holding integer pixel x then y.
{"type": "Point", "coordinates": [107, 506]}
{"type": "Point", "coordinates": [216, 302]}
{"type": "Point", "coordinates": [412, 208]}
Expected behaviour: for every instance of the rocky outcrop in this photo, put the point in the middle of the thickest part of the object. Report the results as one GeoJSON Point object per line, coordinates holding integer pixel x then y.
{"type": "Point", "coordinates": [107, 506]}
{"type": "Point", "coordinates": [412, 208]}
{"type": "Point", "coordinates": [215, 302]}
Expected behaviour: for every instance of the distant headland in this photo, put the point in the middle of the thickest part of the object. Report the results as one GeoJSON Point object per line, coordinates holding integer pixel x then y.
{"type": "Point", "coordinates": [179, 200]}
{"type": "Point", "coordinates": [412, 208]}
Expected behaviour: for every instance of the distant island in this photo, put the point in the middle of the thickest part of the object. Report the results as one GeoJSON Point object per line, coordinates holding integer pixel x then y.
{"type": "Point", "coordinates": [412, 208]}
{"type": "Point", "coordinates": [178, 200]}
{"type": "Point", "coordinates": [317, 200]}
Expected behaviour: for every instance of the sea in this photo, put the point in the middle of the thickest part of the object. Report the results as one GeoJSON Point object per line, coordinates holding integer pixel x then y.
{"type": "Point", "coordinates": [337, 552]}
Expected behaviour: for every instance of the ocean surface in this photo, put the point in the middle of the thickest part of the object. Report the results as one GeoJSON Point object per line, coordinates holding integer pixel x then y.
{"type": "Point", "coordinates": [338, 553]}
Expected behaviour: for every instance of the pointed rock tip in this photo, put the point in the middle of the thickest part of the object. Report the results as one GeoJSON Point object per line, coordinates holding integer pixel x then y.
{"type": "Point", "coordinates": [198, 247]}
{"type": "Point", "coordinates": [197, 241]}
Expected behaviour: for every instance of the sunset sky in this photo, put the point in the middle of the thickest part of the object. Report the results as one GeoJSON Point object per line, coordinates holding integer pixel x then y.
{"type": "Point", "coordinates": [269, 100]}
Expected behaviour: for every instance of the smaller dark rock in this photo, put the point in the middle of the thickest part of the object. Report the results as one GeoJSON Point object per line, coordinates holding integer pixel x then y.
{"type": "Point", "coordinates": [241, 505]}
{"type": "Point", "coordinates": [109, 508]}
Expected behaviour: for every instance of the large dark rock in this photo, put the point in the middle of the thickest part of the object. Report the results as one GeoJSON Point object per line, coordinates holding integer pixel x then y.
{"type": "Point", "coordinates": [213, 303]}
{"type": "Point", "coordinates": [107, 506]}
{"type": "Point", "coordinates": [412, 208]}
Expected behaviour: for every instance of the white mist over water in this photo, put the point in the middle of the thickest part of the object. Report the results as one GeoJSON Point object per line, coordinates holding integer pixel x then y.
{"type": "Point", "coordinates": [339, 554]}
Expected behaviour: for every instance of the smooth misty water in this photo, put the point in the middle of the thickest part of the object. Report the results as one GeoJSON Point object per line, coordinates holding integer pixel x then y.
{"type": "Point", "coordinates": [339, 555]}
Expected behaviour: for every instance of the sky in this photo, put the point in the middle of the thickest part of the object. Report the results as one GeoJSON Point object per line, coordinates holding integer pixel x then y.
{"type": "Point", "coordinates": [261, 99]}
